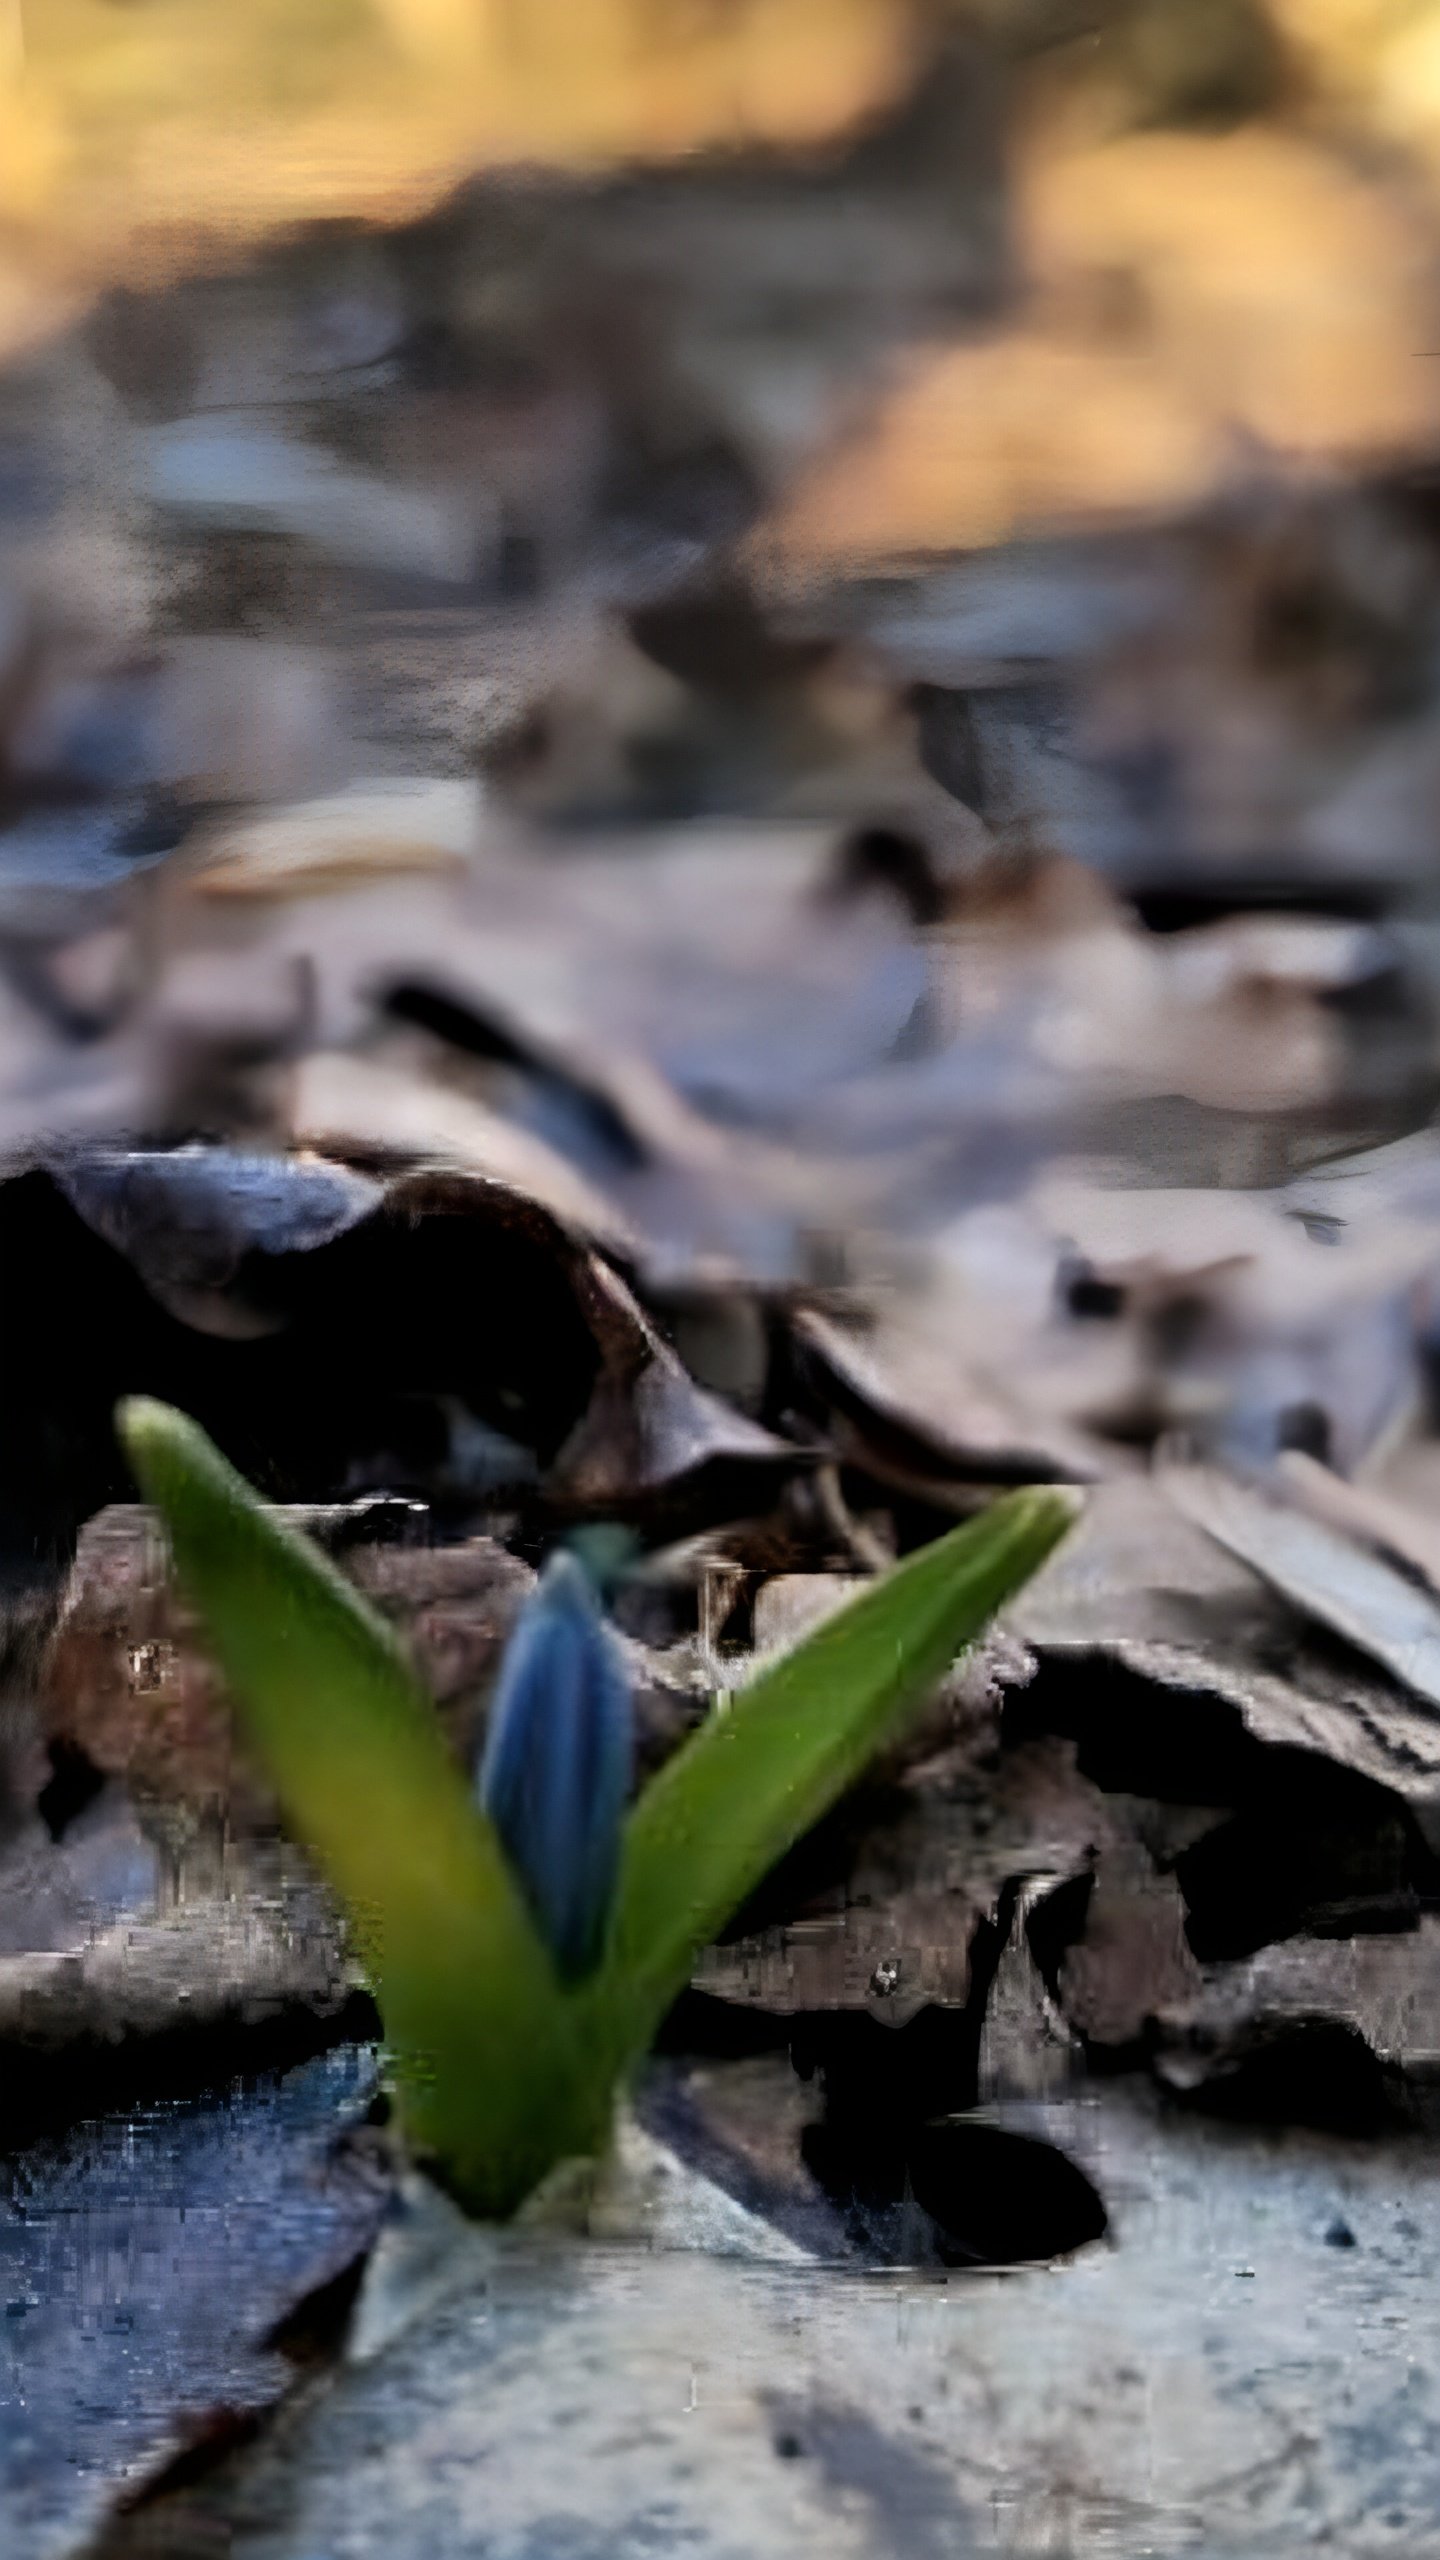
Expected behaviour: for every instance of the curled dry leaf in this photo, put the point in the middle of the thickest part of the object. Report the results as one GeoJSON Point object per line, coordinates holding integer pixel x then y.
{"type": "Point", "coordinates": [648, 1425]}
{"type": "Point", "coordinates": [1142, 1591]}
{"type": "Point", "coordinates": [453, 1339]}
{"type": "Point", "coordinates": [188, 1218]}
{"type": "Point", "coordinates": [907, 1402]}
{"type": "Point", "coordinates": [358, 1110]}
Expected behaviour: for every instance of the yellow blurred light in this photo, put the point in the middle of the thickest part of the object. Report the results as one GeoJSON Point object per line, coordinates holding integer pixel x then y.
{"type": "Point", "coordinates": [187, 118]}
{"type": "Point", "coordinates": [1192, 298]}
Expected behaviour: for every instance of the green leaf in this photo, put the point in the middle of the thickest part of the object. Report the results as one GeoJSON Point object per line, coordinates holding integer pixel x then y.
{"type": "Point", "coordinates": [777, 1754]}
{"type": "Point", "coordinates": [502, 2073]}
{"type": "Point", "coordinates": [489, 2073]}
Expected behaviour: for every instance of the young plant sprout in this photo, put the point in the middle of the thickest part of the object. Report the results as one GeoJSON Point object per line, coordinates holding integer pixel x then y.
{"type": "Point", "coordinates": [524, 1948]}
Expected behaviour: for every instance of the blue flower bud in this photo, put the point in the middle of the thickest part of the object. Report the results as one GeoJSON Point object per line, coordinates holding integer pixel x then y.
{"type": "Point", "coordinates": [555, 1774]}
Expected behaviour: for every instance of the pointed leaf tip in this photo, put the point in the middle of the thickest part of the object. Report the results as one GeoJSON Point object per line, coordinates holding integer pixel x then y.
{"type": "Point", "coordinates": [142, 1420]}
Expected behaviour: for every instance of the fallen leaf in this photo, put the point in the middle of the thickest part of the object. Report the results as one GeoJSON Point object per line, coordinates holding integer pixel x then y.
{"type": "Point", "coordinates": [1131, 1960]}
{"type": "Point", "coordinates": [1216, 1655]}
{"type": "Point", "coordinates": [189, 1217]}
{"type": "Point", "coordinates": [1380, 1989]}
{"type": "Point", "coordinates": [454, 1340]}
{"type": "Point", "coordinates": [1382, 1612]}
{"type": "Point", "coordinates": [648, 1426]}
{"type": "Point", "coordinates": [262, 1952]}
{"type": "Point", "coordinates": [910, 1403]}
{"type": "Point", "coordinates": [913, 1875]}
{"type": "Point", "coordinates": [1369, 1514]}
{"type": "Point", "coordinates": [148, 2263]}
{"type": "Point", "coordinates": [360, 1110]}
{"type": "Point", "coordinates": [126, 1681]}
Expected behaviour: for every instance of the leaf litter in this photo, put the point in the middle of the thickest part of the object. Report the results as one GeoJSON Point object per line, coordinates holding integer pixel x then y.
{"type": "Point", "coordinates": [593, 941]}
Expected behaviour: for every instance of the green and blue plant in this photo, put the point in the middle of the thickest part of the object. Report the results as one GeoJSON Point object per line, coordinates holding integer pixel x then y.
{"type": "Point", "coordinates": [525, 1938]}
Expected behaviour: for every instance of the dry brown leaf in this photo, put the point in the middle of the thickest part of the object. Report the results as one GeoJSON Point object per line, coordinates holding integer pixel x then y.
{"type": "Point", "coordinates": [648, 1426]}
{"type": "Point", "coordinates": [358, 1110]}
{"type": "Point", "coordinates": [1380, 1611]}
{"type": "Point", "coordinates": [1139, 1587]}
{"type": "Point", "coordinates": [1132, 1959]}
{"type": "Point", "coordinates": [1384, 1988]}
{"type": "Point", "coordinates": [126, 1680]}
{"type": "Point", "coordinates": [909, 1400]}
{"type": "Point", "coordinates": [925, 1867]}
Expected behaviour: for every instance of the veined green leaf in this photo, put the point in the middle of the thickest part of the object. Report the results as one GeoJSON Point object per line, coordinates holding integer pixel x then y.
{"type": "Point", "coordinates": [487, 2069]}
{"type": "Point", "coordinates": [772, 1758]}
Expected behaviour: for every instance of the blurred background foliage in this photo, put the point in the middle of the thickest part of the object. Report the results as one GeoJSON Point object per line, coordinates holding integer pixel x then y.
{"type": "Point", "coordinates": [1221, 214]}
{"type": "Point", "coordinates": [130, 117]}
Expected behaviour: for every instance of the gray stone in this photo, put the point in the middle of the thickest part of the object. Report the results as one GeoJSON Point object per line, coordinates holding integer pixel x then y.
{"type": "Point", "coordinates": [1222, 2378]}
